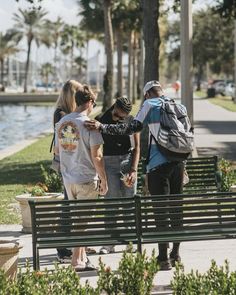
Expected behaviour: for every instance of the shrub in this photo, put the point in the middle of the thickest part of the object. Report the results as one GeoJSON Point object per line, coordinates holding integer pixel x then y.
{"type": "Point", "coordinates": [217, 280]}
{"type": "Point", "coordinates": [134, 275]}
{"type": "Point", "coordinates": [228, 176]}
{"type": "Point", "coordinates": [61, 281]}
{"type": "Point", "coordinates": [51, 179]}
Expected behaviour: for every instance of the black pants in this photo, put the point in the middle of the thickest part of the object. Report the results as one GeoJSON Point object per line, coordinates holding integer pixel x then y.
{"type": "Point", "coordinates": [165, 180]}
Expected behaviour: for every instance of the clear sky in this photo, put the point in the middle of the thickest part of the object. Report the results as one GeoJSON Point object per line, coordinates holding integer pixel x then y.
{"type": "Point", "coordinates": [66, 9]}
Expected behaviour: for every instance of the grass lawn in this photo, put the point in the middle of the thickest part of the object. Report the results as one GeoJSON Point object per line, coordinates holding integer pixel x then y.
{"type": "Point", "coordinates": [17, 172]}
{"type": "Point", "coordinates": [23, 169]}
{"type": "Point", "coordinates": [225, 102]}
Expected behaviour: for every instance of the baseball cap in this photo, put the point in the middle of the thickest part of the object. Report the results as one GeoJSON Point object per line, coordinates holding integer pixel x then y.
{"type": "Point", "coordinates": [149, 85]}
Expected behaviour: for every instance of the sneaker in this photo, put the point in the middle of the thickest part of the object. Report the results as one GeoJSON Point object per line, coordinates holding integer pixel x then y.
{"type": "Point", "coordinates": [164, 264]}
{"type": "Point", "coordinates": [107, 250]}
{"type": "Point", "coordinates": [90, 251]}
{"type": "Point", "coordinates": [90, 266]}
{"type": "Point", "coordinates": [174, 259]}
{"type": "Point", "coordinates": [64, 255]}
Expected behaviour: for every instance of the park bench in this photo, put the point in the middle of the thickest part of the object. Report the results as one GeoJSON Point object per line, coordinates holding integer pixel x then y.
{"type": "Point", "coordinates": [60, 224]}
{"type": "Point", "coordinates": [140, 220]}
{"type": "Point", "coordinates": [202, 171]}
{"type": "Point", "coordinates": [194, 217]}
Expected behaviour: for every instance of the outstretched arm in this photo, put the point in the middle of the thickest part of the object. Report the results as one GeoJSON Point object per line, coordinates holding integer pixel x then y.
{"type": "Point", "coordinates": [115, 129]}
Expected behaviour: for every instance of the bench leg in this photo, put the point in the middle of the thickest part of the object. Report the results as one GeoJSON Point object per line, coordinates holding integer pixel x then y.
{"type": "Point", "coordinates": [139, 247]}
{"type": "Point", "coordinates": [36, 259]}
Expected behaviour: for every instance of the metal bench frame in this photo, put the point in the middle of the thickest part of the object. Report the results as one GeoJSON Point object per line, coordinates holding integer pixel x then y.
{"type": "Point", "coordinates": [138, 220]}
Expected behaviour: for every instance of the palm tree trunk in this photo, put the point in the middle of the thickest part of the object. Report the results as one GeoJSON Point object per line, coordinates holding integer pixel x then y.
{"type": "Point", "coordinates": [134, 69]}
{"type": "Point", "coordinates": [140, 68]}
{"type": "Point", "coordinates": [108, 95]}
{"type": "Point", "coordinates": [2, 71]}
{"type": "Point", "coordinates": [119, 61]}
{"type": "Point", "coordinates": [130, 78]}
{"type": "Point", "coordinates": [27, 65]}
{"type": "Point", "coordinates": [199, 77]}
{"type": "Point", "coordinates": [152, 42]}
{"type": "Point", "coordinates": [151, 39]}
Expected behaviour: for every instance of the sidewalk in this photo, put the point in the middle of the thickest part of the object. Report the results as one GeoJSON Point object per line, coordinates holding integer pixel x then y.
{"type": "Point", "coordinates": [195, 255]}
{"type": "Point", "coordinates": [214, 135]}
{"type": "Point", "coordinates": [214, 130]}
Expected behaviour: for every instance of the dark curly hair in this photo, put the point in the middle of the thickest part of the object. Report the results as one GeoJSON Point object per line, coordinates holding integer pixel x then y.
{"type": "Point", "coordinates": [124, 104]}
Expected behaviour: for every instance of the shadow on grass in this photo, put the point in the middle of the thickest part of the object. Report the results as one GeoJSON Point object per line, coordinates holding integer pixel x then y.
{"type": "Point", "coordinates": [15, 173]}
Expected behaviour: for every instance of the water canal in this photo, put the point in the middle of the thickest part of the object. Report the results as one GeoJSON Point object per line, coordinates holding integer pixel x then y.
{"type": "Point", "coordinates": [21, 121]}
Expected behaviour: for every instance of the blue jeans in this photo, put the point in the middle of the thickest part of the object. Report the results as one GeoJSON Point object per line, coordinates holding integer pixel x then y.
{"type": "Point", "coordinates": [116, 187]}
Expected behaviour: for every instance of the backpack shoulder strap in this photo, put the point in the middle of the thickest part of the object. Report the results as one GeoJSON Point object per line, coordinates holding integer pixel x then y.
{"type": "Point", "coordinates": [52, 143]}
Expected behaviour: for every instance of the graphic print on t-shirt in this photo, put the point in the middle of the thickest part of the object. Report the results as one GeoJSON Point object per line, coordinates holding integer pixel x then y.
{"type": "Point", "coordinates": [68, 136]}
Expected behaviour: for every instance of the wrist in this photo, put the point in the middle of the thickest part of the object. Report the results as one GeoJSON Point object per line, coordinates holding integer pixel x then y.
{"type": "Point", "coordinates": [132, 169]}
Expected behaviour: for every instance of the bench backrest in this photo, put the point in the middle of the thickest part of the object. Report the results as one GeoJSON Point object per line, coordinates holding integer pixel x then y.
{"type": "Point", "coordinates": [192, 216]}
{"type": "Point", "coordinates": [202, 171]}
{"type": "Point", "coordinates": [202, 174]}
{"type": "Point", "coordinates": [83, 221]}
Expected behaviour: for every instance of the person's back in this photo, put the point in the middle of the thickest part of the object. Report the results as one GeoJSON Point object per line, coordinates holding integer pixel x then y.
{"type": "Point", "coordinates": [81, 160]}
{"type": "Point", "coordinates": [75, 141]}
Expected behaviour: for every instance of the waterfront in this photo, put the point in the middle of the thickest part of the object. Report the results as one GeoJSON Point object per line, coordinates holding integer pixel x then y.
{"type": "Point", "coordinates": [19, 122]}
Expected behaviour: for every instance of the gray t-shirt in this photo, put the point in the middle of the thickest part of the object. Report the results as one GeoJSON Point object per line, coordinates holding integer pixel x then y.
{"type": "Point", "coordinates": [74, 142]}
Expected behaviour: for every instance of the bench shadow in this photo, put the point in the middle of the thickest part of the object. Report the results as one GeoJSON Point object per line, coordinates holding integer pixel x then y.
{"type": "Point", "coordinates": [15, 234]}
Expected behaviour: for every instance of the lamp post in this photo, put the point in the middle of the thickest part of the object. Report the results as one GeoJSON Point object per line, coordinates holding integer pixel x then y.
{"type": "Point", "coordinates": [186, 67]}
{"type": "Point", "coordinates": [235, 61]}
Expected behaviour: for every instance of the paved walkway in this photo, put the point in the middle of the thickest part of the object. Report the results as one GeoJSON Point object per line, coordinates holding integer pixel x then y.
{"type": "Point", "coordinates": [215, 130]}
{"type": "Point", "coordinates": [214, 134]}
{"type": "Point", "coordinates": [195, 255]}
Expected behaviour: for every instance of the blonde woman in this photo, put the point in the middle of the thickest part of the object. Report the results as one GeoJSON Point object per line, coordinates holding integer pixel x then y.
{"type": "Point", "coordinates": [65, 104]}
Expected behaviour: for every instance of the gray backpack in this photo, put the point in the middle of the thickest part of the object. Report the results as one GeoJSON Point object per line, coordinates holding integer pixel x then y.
{"type": "Point", "coordinates": [175, 137]}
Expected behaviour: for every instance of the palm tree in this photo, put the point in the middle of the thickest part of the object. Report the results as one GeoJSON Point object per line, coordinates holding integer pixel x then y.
{"type": "Point", "coordinates": [151, 39]}
{"type": "Point", "coordinates": [29, 25]}
{"type": "Point", "coordinates": [109, 48]}
{"type": "Point", "coordinates": [71, 39]}
{"type": "Point", "coordinates": [45, 71]}
{"type": "Point", "coordinates": [52, 32]}
{"type": "Point", "coordinates": [8, 44]}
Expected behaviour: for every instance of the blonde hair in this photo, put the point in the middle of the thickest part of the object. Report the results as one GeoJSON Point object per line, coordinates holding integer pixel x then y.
{"type": "Point", "coordinates": [66, 99]}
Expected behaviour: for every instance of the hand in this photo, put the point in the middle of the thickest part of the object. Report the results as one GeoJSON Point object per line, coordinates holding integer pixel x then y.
{"type": "Point", "coordinates": [130, 179]}
{"type": "Point", "coordinates": [92, 125]}
{"type": "Point", "coordinates": [103, 188]}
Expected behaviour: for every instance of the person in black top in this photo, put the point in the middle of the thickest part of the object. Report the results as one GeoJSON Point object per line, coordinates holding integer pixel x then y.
{"type": "Point", "coordinates": [121, 155]}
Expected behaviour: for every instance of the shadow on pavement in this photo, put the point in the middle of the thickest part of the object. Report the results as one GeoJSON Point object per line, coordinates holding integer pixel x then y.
{"type": "Point", "coordinates": [217, 127]}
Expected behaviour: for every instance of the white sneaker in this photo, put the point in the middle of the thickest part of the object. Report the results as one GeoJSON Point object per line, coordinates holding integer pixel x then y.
{"type": "Point", "coordinates": [107, 250]}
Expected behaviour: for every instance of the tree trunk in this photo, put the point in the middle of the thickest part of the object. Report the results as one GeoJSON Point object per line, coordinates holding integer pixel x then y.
{"type": "Point", "coordinates": [199, 77]}
{"type": "Point", "coordinates": [134, 69]}
{"type": "Point", "coordinates": [2, 72]}
{"type": "Point", "coordinates": [119, 62]}
{"type": "Point", "coordinates": [130, 72]}
{"type": "Point", "coordinates": [108, 95]}
{"type": "Point", "coordinates": [27, 66]}
{"type": "Point", "coordinates": [151, 39]}
{"type": "Point", "coordinates": [140, 68]}
{"type": "Point", "coordinates": [151, 42]}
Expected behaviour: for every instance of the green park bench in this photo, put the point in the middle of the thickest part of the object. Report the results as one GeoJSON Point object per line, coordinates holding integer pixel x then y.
{"type": "Point", "coordinates": [138, 220]}
{"type": "Point", "coordinates": [194, 217]}
{"type": "Point", "coordinates": [202, 171]}
{"type": "Point", "coordinates": [60, 224]}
